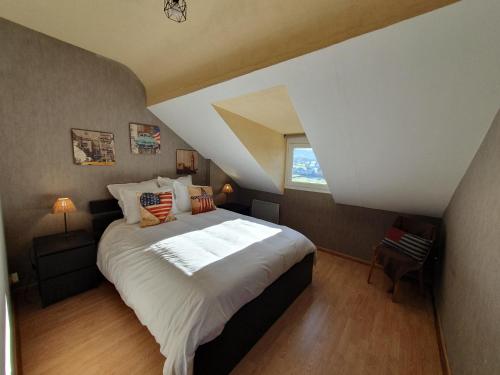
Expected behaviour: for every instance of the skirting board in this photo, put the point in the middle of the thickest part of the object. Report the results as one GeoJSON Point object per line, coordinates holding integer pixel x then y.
{"type": "Point", "coordinates": [345, 256]}
{"type": "Point", "coordinates": [443, 353]}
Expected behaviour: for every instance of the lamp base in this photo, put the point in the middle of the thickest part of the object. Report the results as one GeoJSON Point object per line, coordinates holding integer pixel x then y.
{"type": "Point", "coordinates": [65, 225]}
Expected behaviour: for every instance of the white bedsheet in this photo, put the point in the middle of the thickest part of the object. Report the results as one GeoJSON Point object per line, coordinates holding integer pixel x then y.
{"type": "Point", "coordinates": [185, 279]}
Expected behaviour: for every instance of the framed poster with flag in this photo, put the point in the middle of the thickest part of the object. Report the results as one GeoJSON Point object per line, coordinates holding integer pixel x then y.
{"type": "Point", "coordinates": [144, 139]}
{"type": "Point", "coordinates": [187, 162]}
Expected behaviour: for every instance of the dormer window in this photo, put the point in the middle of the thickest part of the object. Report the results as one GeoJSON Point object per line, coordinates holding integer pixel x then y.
{"type": "Point", "coordinates": [303, 171]}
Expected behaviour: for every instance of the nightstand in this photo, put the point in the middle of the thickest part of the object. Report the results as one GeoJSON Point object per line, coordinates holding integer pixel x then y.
{"type": "Point", "coordinates": [236, 207]}
{"type": "Point", "coordinates": [66, 265]}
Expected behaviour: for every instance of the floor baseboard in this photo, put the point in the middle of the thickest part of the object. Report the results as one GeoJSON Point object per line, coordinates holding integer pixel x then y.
{"type": "Point", "coordinates": [443, 353]}
{"type": "Point", "coordinates": [345, 256]}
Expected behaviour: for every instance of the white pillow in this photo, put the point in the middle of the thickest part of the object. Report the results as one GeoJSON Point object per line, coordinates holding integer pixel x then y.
{"type": "Point", "coordinates": [169, 182]}
{"type": "Point", "coordinates": [182, 198]}
{"type": "Point", "coordinates": [165, 182]}
{"type": "Point", "coordinates": [114, 189]}
{"type": "Point", "coordinates": [186, 180]}
{"type": "Point", "coordinates": [131, 210]}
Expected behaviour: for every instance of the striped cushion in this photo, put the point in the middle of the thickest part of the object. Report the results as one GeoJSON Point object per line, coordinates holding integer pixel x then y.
{"type": "Point", "coordinates": [414, 246]}
{"type": "Point", "coordinates": [155, 208]}
{"type": "Point", "coordinates": [201, 199]}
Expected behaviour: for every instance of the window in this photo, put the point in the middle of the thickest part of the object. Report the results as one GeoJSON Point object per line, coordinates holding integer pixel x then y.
{"type": "Point", "coordinates": [302, 168]}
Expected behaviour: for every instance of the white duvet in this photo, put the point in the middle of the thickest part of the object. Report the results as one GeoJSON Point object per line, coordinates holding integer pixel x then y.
{"type": "Point", "coordinates": [185, 279]}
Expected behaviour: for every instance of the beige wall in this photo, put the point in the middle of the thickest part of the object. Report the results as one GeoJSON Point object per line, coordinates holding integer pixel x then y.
{"type": "Point", "coordinates": [48, 87]}
{"type": "Point", "coordinates": [267, 146]}
{"type": "Point", "coordinates": [468, 294]}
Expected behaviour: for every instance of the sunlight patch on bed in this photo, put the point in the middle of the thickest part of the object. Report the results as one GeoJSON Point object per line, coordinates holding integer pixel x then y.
{"type": "Point", "coordinates": [195, 250]}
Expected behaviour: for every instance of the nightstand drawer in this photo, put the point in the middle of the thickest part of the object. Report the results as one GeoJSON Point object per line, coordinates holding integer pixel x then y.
{"type": "Point", "coordinates": [66, 261]}
{"type": "Point", "coordinates": [58, 288]}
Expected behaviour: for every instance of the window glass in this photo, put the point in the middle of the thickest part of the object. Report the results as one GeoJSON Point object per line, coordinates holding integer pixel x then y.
{"type": "Point", "coordinates": [305, 167]}
{"type": "Point", "coordinates": [303, 171]}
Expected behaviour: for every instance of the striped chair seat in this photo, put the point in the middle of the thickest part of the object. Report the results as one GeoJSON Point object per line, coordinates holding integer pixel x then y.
{"type": "Point", "coordinates": [409, 244]}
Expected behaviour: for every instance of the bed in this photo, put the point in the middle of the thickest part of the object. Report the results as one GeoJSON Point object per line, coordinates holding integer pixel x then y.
{"type": "Point", "coordinates": [206, 286]}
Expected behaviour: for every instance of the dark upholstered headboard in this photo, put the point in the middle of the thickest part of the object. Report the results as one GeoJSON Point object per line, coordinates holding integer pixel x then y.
{"type": "Point", "coordinates": [104, 212]}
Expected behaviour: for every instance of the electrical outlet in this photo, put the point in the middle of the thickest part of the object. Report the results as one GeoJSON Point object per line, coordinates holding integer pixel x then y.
{"type": "Point", "coordinates": [14, 278]}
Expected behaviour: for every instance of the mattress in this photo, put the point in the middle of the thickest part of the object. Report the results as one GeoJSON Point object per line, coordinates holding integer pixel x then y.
{"type": "Point", "coordinates": [185, 279]}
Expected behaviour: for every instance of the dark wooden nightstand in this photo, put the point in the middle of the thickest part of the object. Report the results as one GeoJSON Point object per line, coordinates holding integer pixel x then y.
{"type": "Point", "coordinates": [236, 207]}
{"type": "Point", "coordinates": [66, 265]}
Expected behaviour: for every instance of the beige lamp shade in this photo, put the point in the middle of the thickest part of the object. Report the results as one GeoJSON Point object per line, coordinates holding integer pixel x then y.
{"type": "Point", "coordinates": [227, 188]}
{"type": "Point", "coordinates": [63, 206]}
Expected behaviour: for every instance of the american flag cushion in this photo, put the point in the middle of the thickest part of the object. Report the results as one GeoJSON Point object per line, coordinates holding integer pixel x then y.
{"type": "Point", "coordinates": [414, 246]}
{"type": "Point", "coordinates": [156, 208]}
{"type": "Point", "coordinates": [201, 199]}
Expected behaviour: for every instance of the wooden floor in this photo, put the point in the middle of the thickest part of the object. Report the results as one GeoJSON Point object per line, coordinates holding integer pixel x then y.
{"type": "Point", "coordinates": [339, 325]}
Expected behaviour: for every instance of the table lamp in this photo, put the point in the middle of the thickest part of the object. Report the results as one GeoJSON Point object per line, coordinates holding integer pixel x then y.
{"type": "Point", "coordinates": [227, 189]}
{"type": "Point", "coordinates": [64, 206]}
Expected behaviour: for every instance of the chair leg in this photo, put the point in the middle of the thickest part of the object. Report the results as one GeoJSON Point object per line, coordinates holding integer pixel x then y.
{"type": "Point", "coordinates": [395, 291]}
{"type": "Point", "coordinates": [374, 260]}
{"type": "Point", "coordinates": [421, 279]}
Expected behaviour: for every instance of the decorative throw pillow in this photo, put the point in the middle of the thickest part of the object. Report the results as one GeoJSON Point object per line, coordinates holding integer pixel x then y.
{"type": "Point", "coordinates": [131, 209]}
{"type": "Point", "coordinates": [414, 246]}
{"type": "Point", "coordinates": [201, 199]}
{"type": "Point", "coordinates": [156, 208]}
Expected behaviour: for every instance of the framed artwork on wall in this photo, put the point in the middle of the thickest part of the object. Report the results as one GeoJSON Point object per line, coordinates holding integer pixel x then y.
{"type": "Point", "coordinates": [92, 147]}
{"type": "Point", "coordinates": [187, 162]}
{"type": "Point", "coordinates": [144, 139]}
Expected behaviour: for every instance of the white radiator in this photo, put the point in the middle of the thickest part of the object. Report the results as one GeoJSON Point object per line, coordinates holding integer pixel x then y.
{"type": "Point", "coordinates": [268, 211]}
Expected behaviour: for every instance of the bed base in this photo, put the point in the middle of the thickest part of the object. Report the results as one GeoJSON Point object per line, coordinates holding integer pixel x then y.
{"type": "Point", "coordinates": [248, 324]}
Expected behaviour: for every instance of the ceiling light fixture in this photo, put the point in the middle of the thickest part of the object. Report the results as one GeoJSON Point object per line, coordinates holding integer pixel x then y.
{"type": "Point", "coordinates": [175, 10]}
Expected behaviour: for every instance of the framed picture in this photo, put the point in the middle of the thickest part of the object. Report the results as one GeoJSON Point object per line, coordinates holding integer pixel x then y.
{"type": "Point", "coordinates": [187, 162]}
{"type": "Point", "coordinates": [92, 147]}
{"type": "Point", "coordinates": [144, 139]}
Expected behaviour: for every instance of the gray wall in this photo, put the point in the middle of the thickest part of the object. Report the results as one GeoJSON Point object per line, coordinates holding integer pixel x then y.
{"type": "Point", "coordinates": [5, 308]}
{"type": "Point", "coordinates": [48, 87]}
{"type": "Point", "coordinates": [348, 229]}
{"type": "Point", "coordinates": [468, 292]}
{"type": "Point", "coordinates": [217, 180]}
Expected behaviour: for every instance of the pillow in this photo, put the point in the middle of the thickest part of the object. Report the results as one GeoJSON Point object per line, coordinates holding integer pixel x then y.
{"type": "Point", "coordinates": [186, 180]}
{"type": "Point", "coordinates": [409, 244]}
{"type": "Point", "coordinates": [182, 199]}
{"type": "Point", "coordinates": [169, 182]}
{"type": "Point", "coordinates": [165, 182]}
{"type": "Point", "coordinates": [115, 189]}
{"type": "Point", "coordinates": [130, 204]}
{"type": "Point", "coordinates": [201, 199]}
{"type": "Point", "coordinates": [155, 208]}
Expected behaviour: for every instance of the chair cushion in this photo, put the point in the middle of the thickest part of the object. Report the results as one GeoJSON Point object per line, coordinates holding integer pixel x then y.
{"type": "Point", "coordinates": [409, 244]}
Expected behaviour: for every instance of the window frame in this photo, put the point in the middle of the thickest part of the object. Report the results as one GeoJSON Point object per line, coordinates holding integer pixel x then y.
{"type": "Point", "coordinates": [293, 142]}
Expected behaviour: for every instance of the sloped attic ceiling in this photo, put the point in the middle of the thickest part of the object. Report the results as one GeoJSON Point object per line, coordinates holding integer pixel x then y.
{"type": "Point", "coordinates": [221, 38]}
{"type": "Point", "coordinates": [394, 116]}
{"type": "Point", "coordinates": [271, 108]}
{"type": "Point", "coordinates": [266, 146]}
